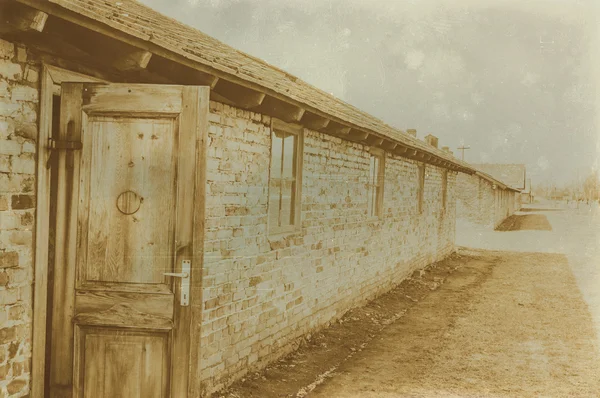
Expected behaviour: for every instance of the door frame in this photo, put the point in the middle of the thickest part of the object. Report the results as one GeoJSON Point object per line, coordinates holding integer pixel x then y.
{"type": "Point", "coordinates": [50, 80]}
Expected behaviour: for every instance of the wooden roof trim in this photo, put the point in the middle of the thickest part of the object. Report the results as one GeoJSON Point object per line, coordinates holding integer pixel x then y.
{"type": "Point", "coordinates": [280, 105]}
{"type": "Point", "coordinates": [493, 180]}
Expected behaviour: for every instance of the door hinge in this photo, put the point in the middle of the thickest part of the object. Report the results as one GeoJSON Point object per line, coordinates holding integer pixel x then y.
{"type": "Point", "coordinates": [54, 145]}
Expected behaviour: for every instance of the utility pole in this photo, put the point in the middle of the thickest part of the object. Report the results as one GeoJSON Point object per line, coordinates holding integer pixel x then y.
{"type": "Point", "coordinates": [462, 149]}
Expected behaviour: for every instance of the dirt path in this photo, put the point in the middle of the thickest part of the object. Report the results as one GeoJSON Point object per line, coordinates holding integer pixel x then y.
{"type": "Point", "coordinates": [483, 323]}
{"type": "Point", "coordinates": [494, 329]}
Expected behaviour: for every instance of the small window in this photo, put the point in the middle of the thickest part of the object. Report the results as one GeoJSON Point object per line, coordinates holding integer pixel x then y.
{"type": "Point", "coordinates": [285, 178]}
{"type": "Point", "coordinates": [421, 186]}
{"type": "Point", "coordinates": [375, 184]}
{"type": "Point", "coordinates": [444, 188]}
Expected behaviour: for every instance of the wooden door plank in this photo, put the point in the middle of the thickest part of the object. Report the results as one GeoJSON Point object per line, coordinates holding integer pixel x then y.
{"type": "Point", "coordinates": [61, 360]}
{"type": "Point", "coordinates": [42, 227]}
{"type": "Point", "coordinates": [136, 99]}
{"type": "Point", "coordinates": [188, 132]}
{"type": "Point", "coordinates": [150, 304]}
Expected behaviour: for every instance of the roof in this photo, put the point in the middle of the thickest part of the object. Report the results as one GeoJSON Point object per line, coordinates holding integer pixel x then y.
{"type": "Point", "coordinates": [513, 175]}
{"type": "Point", "coordinates": [158, 32]}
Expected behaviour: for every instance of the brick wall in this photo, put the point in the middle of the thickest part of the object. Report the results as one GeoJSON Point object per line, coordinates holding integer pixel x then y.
{"type": "Point", "coordinates": [261, 293]}
{"type": "Point", "coordinates": [18, 131]}
{"type": "Point", "coordinates": [478, 202]}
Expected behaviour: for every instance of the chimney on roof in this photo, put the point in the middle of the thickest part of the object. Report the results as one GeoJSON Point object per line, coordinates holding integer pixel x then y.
{"type": "Point", "coordinates": [412, 132]}
{"type": "Point", "coordinates": [431, 140]}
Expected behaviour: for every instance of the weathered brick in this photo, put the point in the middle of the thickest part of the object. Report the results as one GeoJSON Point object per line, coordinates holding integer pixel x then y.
{"type": "Point", "coordinates": [16, 386]}
{"type": "Point", "coordinates": [9, 220]}
{"type": "Point", "coordinates": [10, 70]}
{"type": "Point", "coordinates": [9, 147]}
{"type": "Point", "coordinates": [7, 49]}
{"type": "Point", "coordinates": [9, 259]}
{"type": "Point", "coordinates": [4, 278]}
{"type": "Point", "coordinates": [24, 164]}
{"type": "Point", "coordinates": [27, 219]}
{"type": "Point", "coordinates": [4, 370]}
{"type": "Point", "coordinates": [21, 54]}
{"type": "Point", "coordinates": [18, 134]}
{"type": "Point", "coordinates": [16, 312]}
{"type": "Point", "coordinates": [21, 202]}
{"type": "Point", "coordinates": [7, 335]}
{"type": "Point", "coordinates": [31, 75]}
{"type": "Point", "coordinates": [24, 93]}
{"type": "Point", "coordinates": [27, 130]}
{"type": "Point", "coordinates": [5, 164]}
{"type": "Point", "coordinates": [4, 89]}
{"type": "Point", "coordinates": [9, 108]}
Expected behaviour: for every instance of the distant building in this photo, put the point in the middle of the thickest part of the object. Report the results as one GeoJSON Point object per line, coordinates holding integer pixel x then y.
{"type": "Point", "coordinates": [527, 193]}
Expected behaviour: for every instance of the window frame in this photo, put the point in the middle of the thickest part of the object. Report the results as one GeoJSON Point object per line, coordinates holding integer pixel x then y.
{"type": "Point", "coordinates": [421, 171]}
{"type": "Point", "coordinates": [379, 186]}
{"type": "Point", "coordinates": [298, 131]}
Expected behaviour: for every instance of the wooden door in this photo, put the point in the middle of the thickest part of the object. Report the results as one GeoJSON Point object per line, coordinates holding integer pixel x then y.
{"type": "Point", "coordinates": [127, 204]}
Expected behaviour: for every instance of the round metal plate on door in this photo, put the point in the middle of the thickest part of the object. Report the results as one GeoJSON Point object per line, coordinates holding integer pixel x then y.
{"type": "Point", "coordinates": [129, 202]}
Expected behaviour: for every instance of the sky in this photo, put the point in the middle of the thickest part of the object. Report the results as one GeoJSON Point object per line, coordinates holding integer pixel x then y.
{"type": "Point", "coordinates": [516, 80]}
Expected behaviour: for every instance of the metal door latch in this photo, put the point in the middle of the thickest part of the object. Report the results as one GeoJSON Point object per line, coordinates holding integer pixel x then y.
{"type": "Point", "coordinates": [184, 300]}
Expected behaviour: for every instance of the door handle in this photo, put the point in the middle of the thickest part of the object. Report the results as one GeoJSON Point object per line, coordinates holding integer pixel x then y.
{"type": "Point", "coordinates": [184, 299]}
{"type": "Point", "coordinates": [176, 274]}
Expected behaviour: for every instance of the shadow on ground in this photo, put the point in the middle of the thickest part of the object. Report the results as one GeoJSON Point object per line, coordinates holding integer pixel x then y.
{"type": "Point", "coordinates": [531, 222]}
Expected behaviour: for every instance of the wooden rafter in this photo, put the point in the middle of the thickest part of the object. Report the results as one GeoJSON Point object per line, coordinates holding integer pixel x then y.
{"type": "Point", "coordinates": [373, 140]}
{"type": "Point", "coordinates": [243, 97]}
{"type": "Point", "coordinates": [389, 145]}
{"type": "Point", "coordinates": [280, 109]}
{"type": "Point", "coordinates": [181, 74]}
{"type": "Point", "coordinates": [358, 135]}
{"type": "Point", "coordinates": [337, 129]}
{"type": "Point", "coordinates": [18, 17]}
{"type": "Point", "coordinates": [314, 121]}
{"type": "Point", "coordinates": [133, 59]}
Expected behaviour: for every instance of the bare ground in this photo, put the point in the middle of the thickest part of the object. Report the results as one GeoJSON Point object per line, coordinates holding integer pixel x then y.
{"type": "Point", "coordinates": [524, 222]}
{"type": "Point", "coordinates": [481, 323]}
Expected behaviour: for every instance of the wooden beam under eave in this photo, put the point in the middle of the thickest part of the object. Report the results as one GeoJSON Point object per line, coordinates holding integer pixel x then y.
{"type": "Point", "coordinates": [401, 150]}
{"type": "Point", "coordinates": [358, 135]}
{"type": "Point", "coordinates": [314, 122]}
{"type": "Point", "coordinates": [19, 17]}
{"type": "Point", "coordinates": [373, 140]}
{"type": "Point", "coordinates": [135, 59]}
{"type": "Point", "coordinates": [219, 98]}
{"type": "Point", "coordinates": [243, 97]}
{"type": "Point", "coordinates": [181, 74]}
{"type": "Point", "coordinates": [280, 109]}
{"type": "Point", "coordinates": [388, 145]}
{"type": "Point", "coordinates": [337, 129]}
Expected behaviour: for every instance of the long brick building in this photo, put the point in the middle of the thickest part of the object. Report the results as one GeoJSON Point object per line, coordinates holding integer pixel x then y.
{"type": "Point", "coordinates": [175, 213]}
